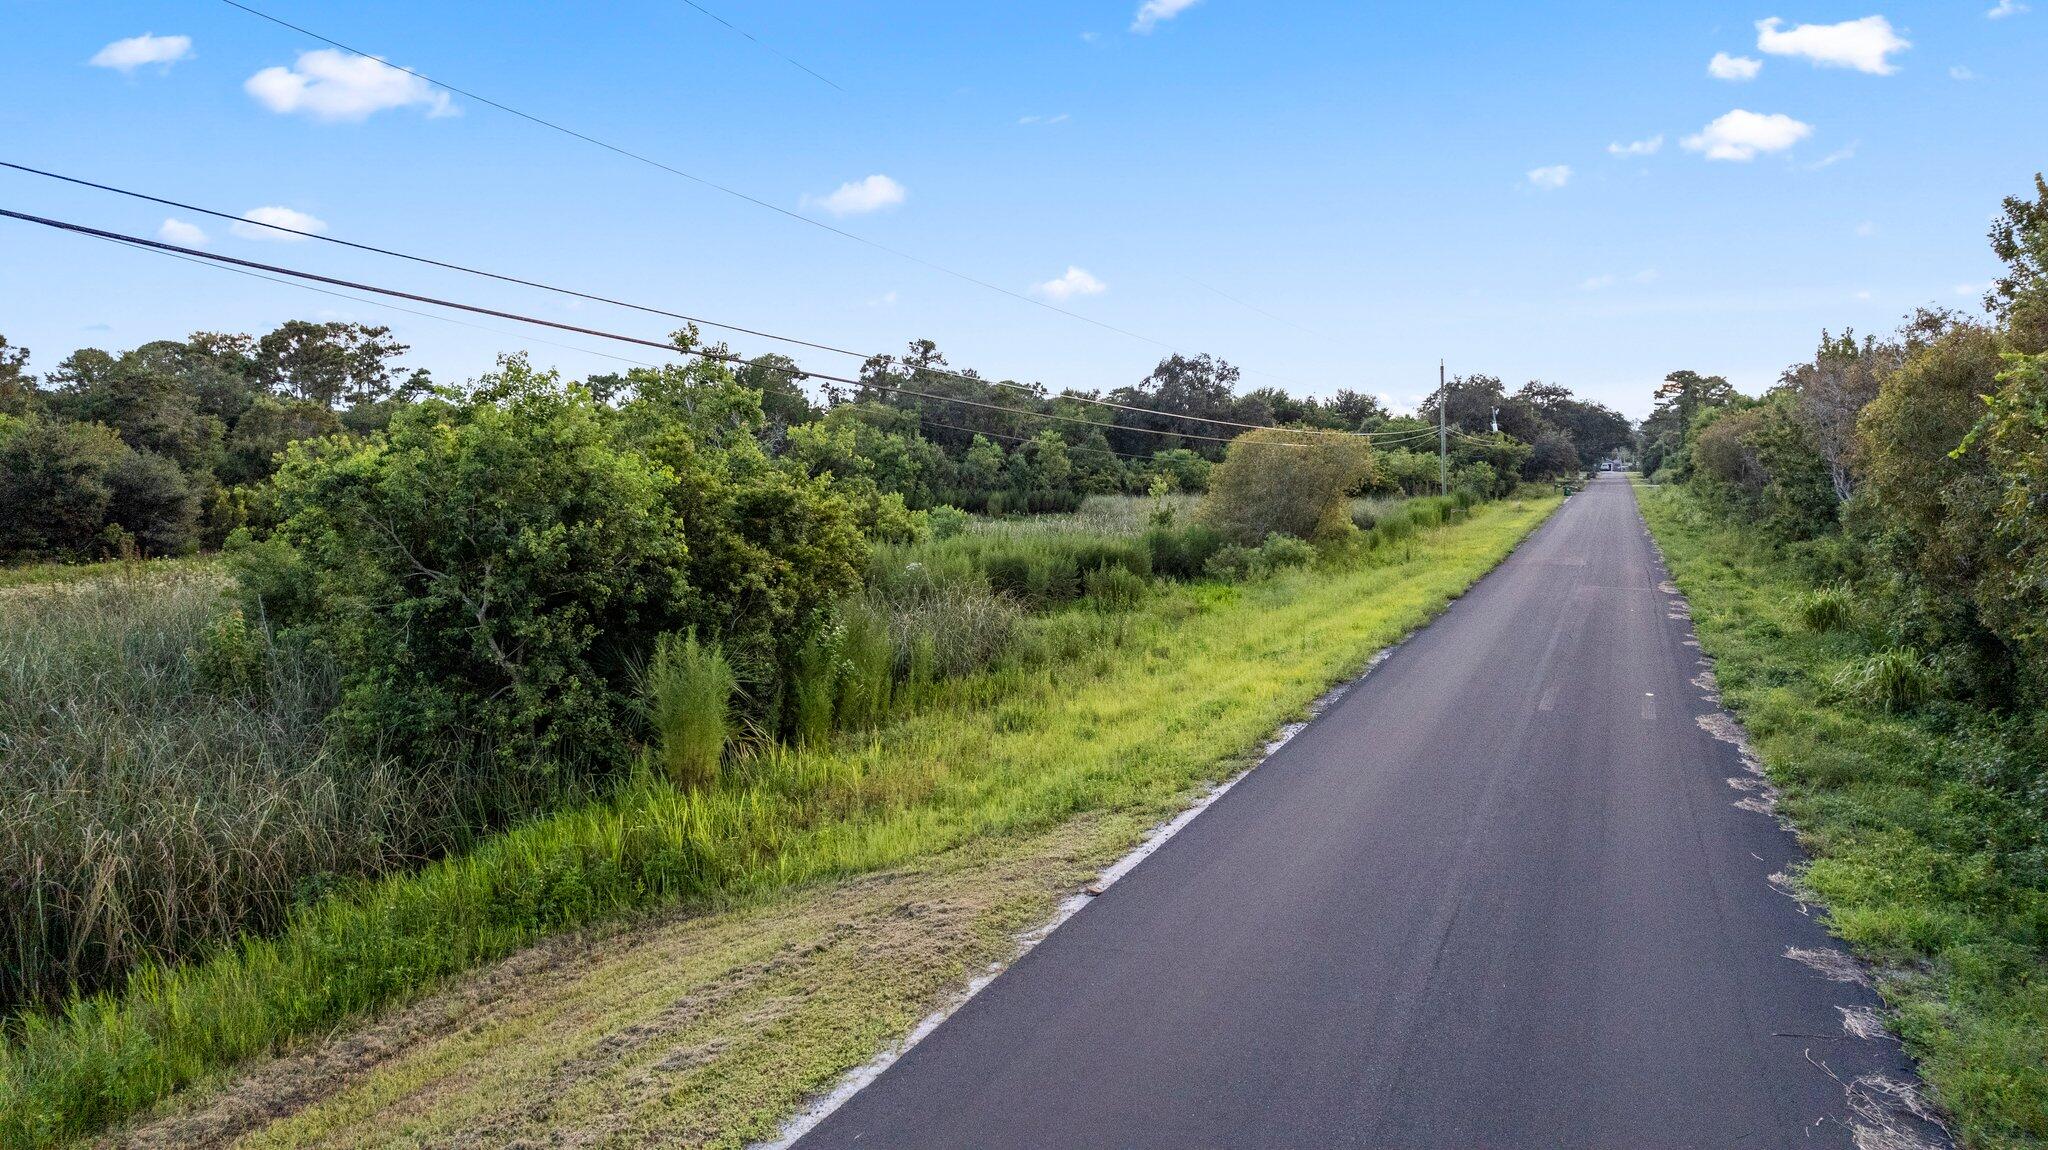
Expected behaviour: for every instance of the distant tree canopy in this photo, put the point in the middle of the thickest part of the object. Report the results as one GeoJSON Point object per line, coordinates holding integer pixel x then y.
{"type": "Point", "coordinates": [152, 450]}
{"type": "Point", "coordinates": [209, 418]}
{"type": "Point", "coordinates": [1564, 433]}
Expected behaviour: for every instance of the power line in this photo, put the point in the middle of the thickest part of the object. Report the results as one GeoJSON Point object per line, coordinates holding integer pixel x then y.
{"type": "Point", "coordinates": [697, 179]}
{"type": "Point", "coordinates": [387, 306]}
{"type": "Point", "coordinates": [648, 309]}
{"type": "Point", "coordinates": [763, 45]}
{"type": "Point", "coordinates": [1254, 307]}
{"type": "Point", "coordinates": [668, 348]}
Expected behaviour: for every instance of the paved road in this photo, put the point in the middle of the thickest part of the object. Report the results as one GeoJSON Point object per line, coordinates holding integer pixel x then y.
{"type": "Point", "coordinates": [1499, 895]}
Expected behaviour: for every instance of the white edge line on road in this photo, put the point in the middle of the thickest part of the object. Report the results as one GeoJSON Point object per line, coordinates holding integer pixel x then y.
{"type": "Point", "coordinates": [859, 1077]}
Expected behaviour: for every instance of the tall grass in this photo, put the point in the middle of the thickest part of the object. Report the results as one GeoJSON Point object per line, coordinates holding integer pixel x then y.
{"type": "Point", "coordinates": [689, 688]}
{"type": "Point", "coordinates": [867, 666]}
{"type": "Point", "coordinates": [1897, 679]}
{"type": "Point", "coordinates": [811, 687]}
{"type": "Point", "coordinates": [147, 809]}
{"type": "Point", "coordinates": [960, 630]}
{"type": "Point", "coordinates": [1039, 569]}
{"type": "Point", "coordinates": [1826, 608]}
{"type": "Point", "coordinates": [1139, 707]}
{"type": "Point", "coordinates": [33, 574]}
{"type": "Point", "coordinates": [1103, 516]}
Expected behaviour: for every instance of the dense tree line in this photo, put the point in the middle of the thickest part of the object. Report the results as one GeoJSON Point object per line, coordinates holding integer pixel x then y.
{"type": "Point", "coordinates": [160, 450]}
{"type": "Point", "coordinates": [1913, 465]}
{"type": "Point", "coordinates": [170, 447]}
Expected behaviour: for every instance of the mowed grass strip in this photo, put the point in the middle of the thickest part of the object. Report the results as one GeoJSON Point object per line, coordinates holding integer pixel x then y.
{"type": "Point", "coordinates": [1199, 677]}
{"type": "Point", "coordinates": [689, 1030]}
{"type": "Point", "coordinates": [1928, 870]}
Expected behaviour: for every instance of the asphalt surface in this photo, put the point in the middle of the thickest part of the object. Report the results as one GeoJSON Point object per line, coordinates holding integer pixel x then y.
{"type": "Point", "coordinates": [1500, 894]}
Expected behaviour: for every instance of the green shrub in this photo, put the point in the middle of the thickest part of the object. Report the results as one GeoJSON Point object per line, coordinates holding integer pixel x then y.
{"type": "Point", "coordinates": [947, 521]}
{"type": "Point", "coordinates": [1393, 529]}
{"type": "Point", "coordinates": [231, 661]}
{"type": "Point", "coordinates": [1280, 552]}
{"type": "Point", "coordinates": [1897, 680]}
{"type": "Point", "coordinates": [1182, 554]}
{"type": "Point", "coordinates": [1115, 588]}
{"type": "Point", "coordinates": [1286, 482]}
{"type": "Point", "coordinates": [1826, 608]}
{"type": "Point", "coordinates": [1092, 555]}
{"type": "Point", "coordinates": [489, 570]}
{"type": "Point", "coordinates": [1231, 563]}
{"type": "Point", "coordinates": [688, 695]}
{"type": "Point", "coordinates": [1367, 512]}
{"type": "Point", "coordinates": [1014, 574]}
{"type": "Point", "coordinates": [1277, 553]}
{"type": "Point", "coordinates": [1061, 580]}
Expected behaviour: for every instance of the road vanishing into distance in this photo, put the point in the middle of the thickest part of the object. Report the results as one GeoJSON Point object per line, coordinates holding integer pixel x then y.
{"type": "Point", "coordinates": [1513, 889]}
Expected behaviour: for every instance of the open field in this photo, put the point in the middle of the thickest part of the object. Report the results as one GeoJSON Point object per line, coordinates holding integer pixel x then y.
{"type": "Point", "coordinates": [1187, 686]}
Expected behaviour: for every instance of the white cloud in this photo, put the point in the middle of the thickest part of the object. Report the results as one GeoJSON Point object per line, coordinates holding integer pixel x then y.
{"type": "Point", "coordinates": [327, 84]}
{"type": "Point", "coordinates": [132, 53]}
{"type": "Point", "coordinates": [1866, 229]}
{"type": "Point", "coordinates": [886, 299]}
{"type": "Point", "coordinates": [1154, 12]}
{"type": "Point", "coordinates": [250, 226]}
{"type": "Point", "coordinates": [1647, 147]}
{"type": "Point", "coordinates": [1970, 289]}
{"type": "Point", "coordinates": [1961, 73]}
{"type": "Point", "coordinates": [1735, 68]}
{"type": "Point", "coordinates": [861, 196]}
{"type": "Point", "coordinates": [1046, 120]}
{"type": "Point", "coordinates": [1863, 295]}
{"type": "Point", "coordinates": [1845, 152]}
{"type": "Point", "coordinates": [1740, 135]}
{"type": "Point", "coordinates": [1551, 178]}
{"type": "Point", "coordinates": [175, 231]}
{"type": "Point", "coordinates": [1075, 282]}
{"type": "Point", "coordinates": [1865, 45]}
{"type": "Point", "coordinates": [2006, 8]}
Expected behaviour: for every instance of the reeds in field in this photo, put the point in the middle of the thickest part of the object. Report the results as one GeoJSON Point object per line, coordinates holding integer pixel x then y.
{"type": "Point", "coordinates": [811, 688]}
{"type": "Point", "coordinates": [867, 666]}
{"type": "Point", "coordinates": [159, 790]}
{"type": "Point", "coordinates": [688, 690]}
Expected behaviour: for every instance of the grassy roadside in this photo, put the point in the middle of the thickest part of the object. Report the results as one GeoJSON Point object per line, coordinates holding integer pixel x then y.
{"type": "Point", "coordinates": [1928, 867]}
{"type": "Point", "coordinates": [690, 1029]}
{"type": "Point", "coordinates": [1194, 681]}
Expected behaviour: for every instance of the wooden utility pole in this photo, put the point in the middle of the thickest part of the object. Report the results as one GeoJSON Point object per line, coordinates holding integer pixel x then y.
{"type": "Point", "coordinates": [1443, 434]}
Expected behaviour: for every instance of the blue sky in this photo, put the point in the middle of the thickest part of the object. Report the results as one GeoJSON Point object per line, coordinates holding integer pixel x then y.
{"type": "Point", "coordinates": [1376, 186]}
